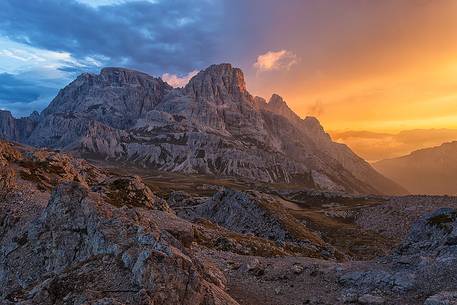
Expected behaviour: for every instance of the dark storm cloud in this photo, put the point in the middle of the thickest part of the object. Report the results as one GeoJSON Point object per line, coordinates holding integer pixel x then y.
{"type": "Point", "coordinates": [76, 70]}
{"type": "Point", "coordinates": [23, 96]}
{"type": "Point", "coordinates": [174, 36]}
{"type": "Point", "coordinates": [15, 90]}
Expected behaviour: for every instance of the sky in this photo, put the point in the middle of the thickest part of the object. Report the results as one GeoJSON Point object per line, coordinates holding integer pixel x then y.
{"type": "Point", "coordinates": [362, 67]}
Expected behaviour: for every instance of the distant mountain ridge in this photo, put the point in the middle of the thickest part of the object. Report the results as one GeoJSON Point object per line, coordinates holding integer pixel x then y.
{"type": "Point", "coordinates": [213, 126]}
{"type": "Point", "coordinates": [431, 171]}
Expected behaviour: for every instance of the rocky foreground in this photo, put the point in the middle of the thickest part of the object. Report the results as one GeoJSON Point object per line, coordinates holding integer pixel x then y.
{"type": "Point", "coordinates": [74, 233]}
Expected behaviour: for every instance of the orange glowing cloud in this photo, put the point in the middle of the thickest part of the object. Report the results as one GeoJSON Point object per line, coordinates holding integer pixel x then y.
{"type": "Point", "coordinates": [280, 60]}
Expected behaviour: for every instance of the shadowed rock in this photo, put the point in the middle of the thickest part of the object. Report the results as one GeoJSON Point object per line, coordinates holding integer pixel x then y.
{"type": "Point", "coordinates": [261, 215]}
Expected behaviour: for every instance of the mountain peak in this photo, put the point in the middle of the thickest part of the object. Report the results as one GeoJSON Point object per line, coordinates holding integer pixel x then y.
{"type": "Point", "coordinates": [223, 69]}
{"type": "Point", "coordinates": [217, 80]}
{"type": "Point", "coordinates": [277, 102]}
{"type": "Point", "coordinates": [277, 105]}
{"type": "Point", "coordinates": [260, 103]}
{"type": "Point", "coordinates": [92, 94]}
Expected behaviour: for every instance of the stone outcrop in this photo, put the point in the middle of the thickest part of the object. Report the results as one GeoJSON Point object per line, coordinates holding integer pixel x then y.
{"type": "Point", "coordinates": [432, 234]}
{"type": "Point", "coordinates": [130, 191]}
{"type": "Point", "coordinates": [47, 168]}
{"type": "Point", "coordinates": [423, 264]}
{"type": "Point", "coordinates": [263, 216]}
{"type": "Point", "coordinates": [82, 250]}
{"type": "Point", "coordinates": [211, 126]}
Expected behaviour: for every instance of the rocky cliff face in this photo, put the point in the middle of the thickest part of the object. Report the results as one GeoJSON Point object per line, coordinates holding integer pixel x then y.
{"type": "Point", "coordinates": [17, 129]}
{"type": "Point", "coordinates": [211, 126]}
